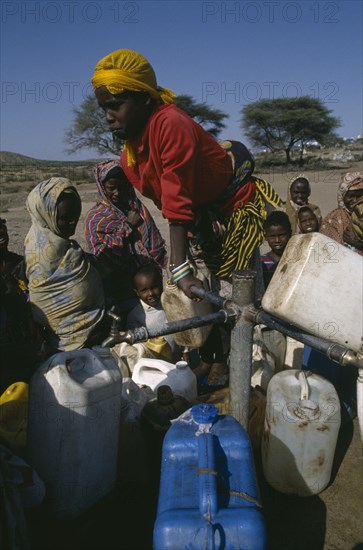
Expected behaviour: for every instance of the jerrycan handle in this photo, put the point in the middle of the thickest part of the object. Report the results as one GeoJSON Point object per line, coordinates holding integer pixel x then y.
{"type": "Point", "coordinates": [156, 364]}
{"type": "Point", "coordinates": [207, 473]}
{"type": "Point", "coordinates": [306, 408]}
{"type": "Point", "coordinates": [304, 394]}
{"type": "Point", "coordinates": [205, 415]}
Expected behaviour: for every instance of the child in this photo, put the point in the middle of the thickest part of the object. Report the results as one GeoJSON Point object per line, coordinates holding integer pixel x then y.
{"type": "Point", "coordinates": [149, 313]}
{"type": "Point", "coordinates": [298, 195]}
{"type": "Point", "coordinates": [278, 231]}
{"type": "Point", "coordinates": [268, 343]}
{"type": "Point", "coordinates": [307, 221]}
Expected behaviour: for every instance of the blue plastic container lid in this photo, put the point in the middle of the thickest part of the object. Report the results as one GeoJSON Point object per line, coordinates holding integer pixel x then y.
{"type": "Point", "coordinates": [204, 413]}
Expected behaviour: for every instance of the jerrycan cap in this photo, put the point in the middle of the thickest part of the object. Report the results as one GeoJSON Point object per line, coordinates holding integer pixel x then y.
{"type": "Point", "coordinates": [204, 413]}
{"type": "Point", "coordinates": [181, 365]}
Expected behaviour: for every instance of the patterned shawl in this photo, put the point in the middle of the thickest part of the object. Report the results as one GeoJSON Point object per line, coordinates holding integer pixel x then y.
{"type": "Point", "coordinates": [340, 219]}
{"type": "Point", "coordinates": [65, 290]}
{"type": "Point", "coordinates": [110, 237]}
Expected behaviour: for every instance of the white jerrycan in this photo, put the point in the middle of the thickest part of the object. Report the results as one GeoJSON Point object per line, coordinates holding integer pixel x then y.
{"type": "Point", "coordinates": [315, 274]}
{"type": "Point", "coordinates": [73, 428]}
{"type": "Point", "coordinates": [301, 428]}
{"type": "Point", "coordinates": [177, 306]}
{"type": "Point", "coordinates": [155, 373]}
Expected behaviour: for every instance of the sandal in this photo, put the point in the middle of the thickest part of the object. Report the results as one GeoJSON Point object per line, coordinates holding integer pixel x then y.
{"type": "Point", "coordinates": [218, 376]}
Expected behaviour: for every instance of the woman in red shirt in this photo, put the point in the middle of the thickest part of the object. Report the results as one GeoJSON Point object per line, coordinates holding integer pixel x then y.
{"type": "Point", "coordinates": [204, 189]}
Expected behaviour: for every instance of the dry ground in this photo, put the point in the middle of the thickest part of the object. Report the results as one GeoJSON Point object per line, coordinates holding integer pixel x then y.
{"type": "Point", "coordinates": [331, 520]}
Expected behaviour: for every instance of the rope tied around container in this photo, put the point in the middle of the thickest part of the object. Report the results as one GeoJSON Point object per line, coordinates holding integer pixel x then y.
{"type": "Point", "coordinates": [222, 488]}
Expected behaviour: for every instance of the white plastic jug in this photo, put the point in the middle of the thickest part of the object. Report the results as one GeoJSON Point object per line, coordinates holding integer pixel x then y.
{"type": "Point", "coordinates": [107, 356]}
{"type": "Point", "coordinates": [73, 429]}
{"type": "Point", "coordinates": [134, 399]}
{"type": "Point", "coordinates": [301, 428]}
{"type": "Point", "coordinates": [155, 373]}
{"type": "Point", "coordinates": [177, 306]}
{"type": "Point", "coordinates": [317, 286]}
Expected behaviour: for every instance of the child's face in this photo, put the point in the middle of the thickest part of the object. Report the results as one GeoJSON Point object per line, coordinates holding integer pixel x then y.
{"type": "Point", "coordinates": [308, 222]}
{"type": "Point", "coordinates": [148, 288]}
{"type": "Point", "coordinates": [300, 192]}
{"type": "Point", "coordinates": [277, 237]}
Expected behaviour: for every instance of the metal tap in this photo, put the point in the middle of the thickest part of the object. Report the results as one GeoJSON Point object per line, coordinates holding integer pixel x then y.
{"type": "Point", "coordinates": [117, 336]}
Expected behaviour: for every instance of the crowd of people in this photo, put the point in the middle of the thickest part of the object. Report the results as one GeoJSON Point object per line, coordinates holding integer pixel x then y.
{"type": "Point", "coordinates": [219, 214]}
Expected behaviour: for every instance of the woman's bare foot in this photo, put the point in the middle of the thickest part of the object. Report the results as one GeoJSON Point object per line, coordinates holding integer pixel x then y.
{"type": "Point", "coordinates": [218, 375]}
{"type": "Point", "coordinates": [202, 370]}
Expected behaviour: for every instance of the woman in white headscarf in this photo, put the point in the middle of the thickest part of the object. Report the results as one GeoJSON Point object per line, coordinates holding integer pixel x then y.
{"type": "Point", "coordinates": [65, 289]}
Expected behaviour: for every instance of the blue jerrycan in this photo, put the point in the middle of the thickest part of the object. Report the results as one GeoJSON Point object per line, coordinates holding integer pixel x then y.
{"type": "Point", "coordinates": [209, 496]}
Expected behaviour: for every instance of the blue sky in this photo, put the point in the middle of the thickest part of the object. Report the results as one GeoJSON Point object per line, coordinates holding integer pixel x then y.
{"type": "Point", "coordinates": [224, 53]}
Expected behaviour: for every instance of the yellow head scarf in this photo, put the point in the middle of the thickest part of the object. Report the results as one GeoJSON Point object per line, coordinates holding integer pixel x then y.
{"type": "Point", "coordinates": [124, 70]}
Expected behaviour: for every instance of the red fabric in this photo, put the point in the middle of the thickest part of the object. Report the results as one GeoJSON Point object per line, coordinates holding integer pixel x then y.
{"type": "Point", "coordinates": [180, 166]}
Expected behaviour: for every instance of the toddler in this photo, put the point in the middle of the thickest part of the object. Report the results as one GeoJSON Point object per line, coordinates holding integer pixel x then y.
{"type": "Point", "coordinates": [149, 313]}
{"type": "Point", "coordinates": [307, 221]}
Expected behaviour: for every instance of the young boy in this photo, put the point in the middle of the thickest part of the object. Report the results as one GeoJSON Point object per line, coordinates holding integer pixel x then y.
{"type": "Point", "coordinates": [307, 221]}
{"type": "Point", "coordinates": [149, 313]}
{"type": "Point", "coordinates": [278, 231]}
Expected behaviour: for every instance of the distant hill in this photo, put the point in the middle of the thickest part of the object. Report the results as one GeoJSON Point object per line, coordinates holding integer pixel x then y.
{"type": "Point", "coordinates": [9, 158]}
{"type": "Point", "coordinates": [19, 172]}
{"type": "Point", "coordinates": [14, 158]}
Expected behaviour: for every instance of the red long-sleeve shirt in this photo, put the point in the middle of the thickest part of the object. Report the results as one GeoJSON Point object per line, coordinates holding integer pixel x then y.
{"type": "Point", "coordinates": [179, 166]}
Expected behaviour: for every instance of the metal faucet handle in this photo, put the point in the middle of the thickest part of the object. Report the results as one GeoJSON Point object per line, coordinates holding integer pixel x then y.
{"type": "Point", "coordinates": [115, 318]}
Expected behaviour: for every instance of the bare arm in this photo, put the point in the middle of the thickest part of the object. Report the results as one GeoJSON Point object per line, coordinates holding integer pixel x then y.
{"type": "Point", "coordinates": [178, 254]}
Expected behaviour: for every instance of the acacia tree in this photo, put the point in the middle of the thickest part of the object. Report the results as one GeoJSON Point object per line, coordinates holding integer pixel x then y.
{"type": "Point", "coordinates": [211, 119]}
{"type": "Point", "coordinates": [279, 124]}
{"type": "Point", "coordinates": [89, 129]}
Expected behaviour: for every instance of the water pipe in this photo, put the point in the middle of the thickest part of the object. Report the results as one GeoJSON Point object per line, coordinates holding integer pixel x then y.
{"type": "Point", "coordinates": [336, 352]}
{"type": "Point", "coordinates": [240, 356]}
{"type": "Point", "coordinates": [141, 334]}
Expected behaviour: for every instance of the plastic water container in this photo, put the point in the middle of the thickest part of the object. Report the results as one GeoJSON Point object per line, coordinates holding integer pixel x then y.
{"type": "Point", "coordinates": [106, 355]}
{"type": "Point", "coordinates": [159, 412]}
{"type": "Point", "coordinates": [134, 399]}
{"type": "Point", "coordinates": [177, 306]}
{"type": "Point", "coordinates": [14, 415]}
{"type": "Point", "coordinates": [301, 428]}
{"type": "Point", "coordinates": [317, 286]}
{"type": "Point", "coordinates": [208, 495]}
{"type": "Point", "coordinates": [73, 429]}
{"type": "Point", "coordinates": [155, 373]}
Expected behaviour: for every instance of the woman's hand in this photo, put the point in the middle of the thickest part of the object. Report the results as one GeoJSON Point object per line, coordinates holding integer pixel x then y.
{"type": "Point", "coordinates": [351, 238]}
{"type": "Point", "coordinates": [133, 218]}
{"type": "Point", "coordinates": [186, 282]}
